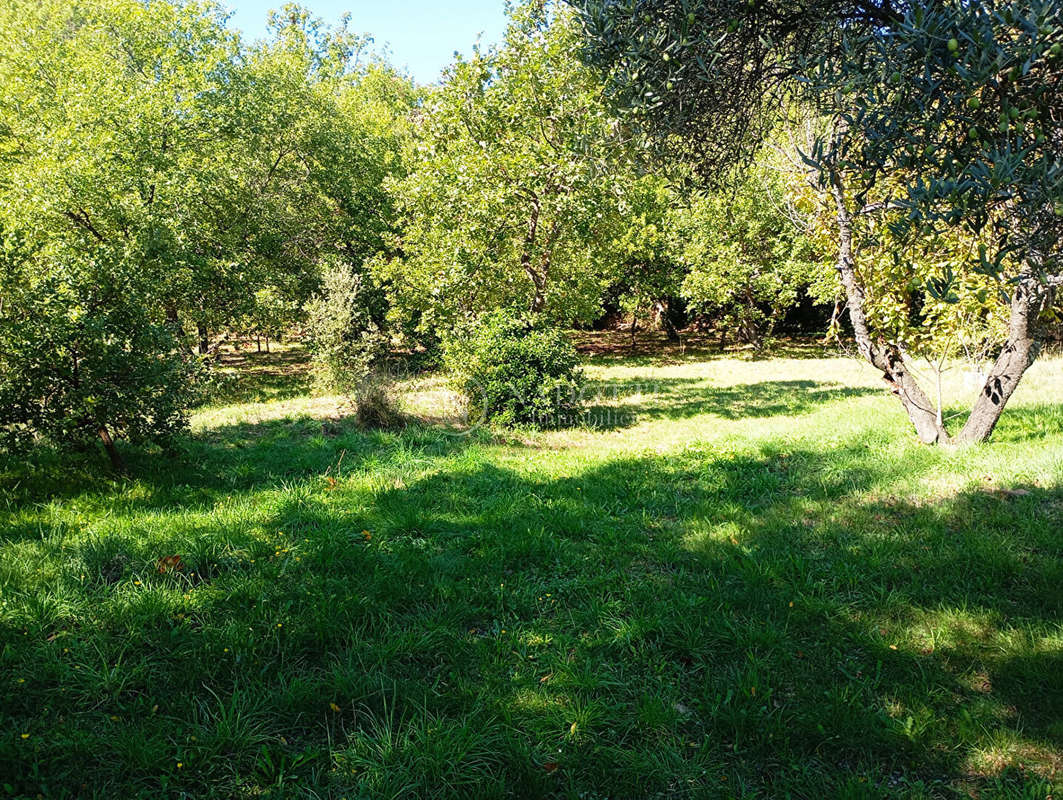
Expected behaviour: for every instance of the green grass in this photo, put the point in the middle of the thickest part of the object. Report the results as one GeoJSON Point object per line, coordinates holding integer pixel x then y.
{"type": "Point", "coordinates": [749, 580]}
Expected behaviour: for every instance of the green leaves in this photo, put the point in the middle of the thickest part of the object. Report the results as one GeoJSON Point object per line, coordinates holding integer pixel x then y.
{"type": "Point", "coordinates": [516, 370]}
{"type": "Point", "coordinates": [344, 329]}
{"type": "Point", "coordinates": [971, 130]}
{"type": "Point", "coordinates": [155, 172]}
{"type": "Point", "coordinates": [73, 360]}
{"type": "Point", "coordinates": [510, 195]}
{"type": "Point", "coordinates": [747, 260]}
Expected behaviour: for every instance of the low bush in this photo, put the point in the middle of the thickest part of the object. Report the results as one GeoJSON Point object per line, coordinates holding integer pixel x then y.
{"type": "Point", "coordinates": [376, 402]}
{"type": "Point", "coordinates": [515, 371]}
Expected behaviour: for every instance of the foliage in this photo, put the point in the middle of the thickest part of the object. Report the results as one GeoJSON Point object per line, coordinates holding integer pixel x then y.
{"type": "Point", "coordinates": [344, 334]}
{"type": "Point", "coordinates": [961, 104]}
{"type": "Point", "coordinates": [272, 314]}
{"type": "Point", "coordinates": [647, 274]}
{"type": "Point", "coordinates": [747, 260]}
{"type": "Point", "coordinates": [907, 301]}
{"type": "Point", "coordinates": [81, 358]}
{"type": "Point", "coordinates": [909, 105]}
{"type": "Point", "coordinates": [157, 173]}
{"type": "Point", "coordinates": [312, 135]}
{"type": "Point", "coordinates": [114, 119]}
{"type": "Point", "coordinates": [707, 79]}
{"type": "Point", "coordinates": [101, 146]}
{"type": "Point", "coordinates": [508, 200]}
{"type": "Point", "coordinates": [901, 274]}
{"type": "Point", "coordinates": [513, 371]}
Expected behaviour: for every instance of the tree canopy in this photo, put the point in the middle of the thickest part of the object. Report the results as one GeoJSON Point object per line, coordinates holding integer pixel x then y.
{"type": "Point", "coordinates": [510, 198]}
{"type": "Point", "coordinates": [166, 186]}
{"type": "Point", "coordinates": [157, 176]}
{"type": "Point", "coordinates": [947, 112]}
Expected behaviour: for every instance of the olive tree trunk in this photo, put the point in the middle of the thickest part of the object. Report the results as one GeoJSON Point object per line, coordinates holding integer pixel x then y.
{"type": "Point", "coordinates": [882, 355]}
{"type": "Point", "coordinates": [1032, 294]}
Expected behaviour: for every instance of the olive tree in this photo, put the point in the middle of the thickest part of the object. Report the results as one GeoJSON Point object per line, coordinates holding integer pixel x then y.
{"type": "Point", "coordinates": [956, 105]}
{"type": "Point", "coordinates": [964, 102]}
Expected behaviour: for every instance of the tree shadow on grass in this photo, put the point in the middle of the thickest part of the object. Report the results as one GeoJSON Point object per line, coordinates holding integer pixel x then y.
{"type": "Point", "coordinates": [798, 635]}
{"type": "Point", "coordinates": [621, 403]}
{"type": "Point", "coordinates": [210, 468]}
{"type": "Point", "coordinates": [249, 377]}
{"type": "Point", "coordinates": [254, 455]}
{"type": "Point", "coordinates": [653, 348]}
{"type": "Point", "coordinates": [773, 622]}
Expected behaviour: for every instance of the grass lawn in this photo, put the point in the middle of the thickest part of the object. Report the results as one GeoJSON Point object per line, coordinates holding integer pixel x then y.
{"type": "Point", "coordinates": [748, 580]}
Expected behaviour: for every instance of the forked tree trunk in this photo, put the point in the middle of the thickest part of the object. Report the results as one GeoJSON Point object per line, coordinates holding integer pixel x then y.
{"type": "Point", "coordinates": [1031, 295]}
{"type": "Point", "coordinates": [883, 356]}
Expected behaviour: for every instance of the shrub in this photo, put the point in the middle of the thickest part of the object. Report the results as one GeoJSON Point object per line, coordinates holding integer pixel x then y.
{"type": "Point", "coordinates": [76, 368]}
{"type": "Point", "coordinates": [345, 339]}
{"type": "Point", "coordinates": [514, 371]}
{"type": "Point", "coordinates": [376, 403]}
{"type": "Point", "coordinates": [350, 349]}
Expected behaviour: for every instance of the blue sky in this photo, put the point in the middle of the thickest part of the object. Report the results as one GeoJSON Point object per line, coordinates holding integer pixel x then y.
{"type": "Point", "coordinates": [422, 34]}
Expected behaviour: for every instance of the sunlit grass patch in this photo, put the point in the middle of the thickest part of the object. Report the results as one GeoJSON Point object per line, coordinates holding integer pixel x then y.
{"type": "Point", "coordinates": [762, 582]}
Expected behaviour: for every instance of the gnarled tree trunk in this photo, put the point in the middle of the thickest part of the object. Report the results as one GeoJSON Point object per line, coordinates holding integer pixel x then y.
{"type": "Point", "coordinates": [883, 356]}
{"type": "Point", "coordinates": [1030, 297]}
{"type": "Point", "coordinates": [1032, 294]}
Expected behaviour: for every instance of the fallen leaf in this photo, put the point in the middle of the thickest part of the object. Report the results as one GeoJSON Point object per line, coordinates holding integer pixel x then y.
{"type": "Point", "coordinates": [550, 766]}
{"type": "Point", "coordinates": [168, 564]}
